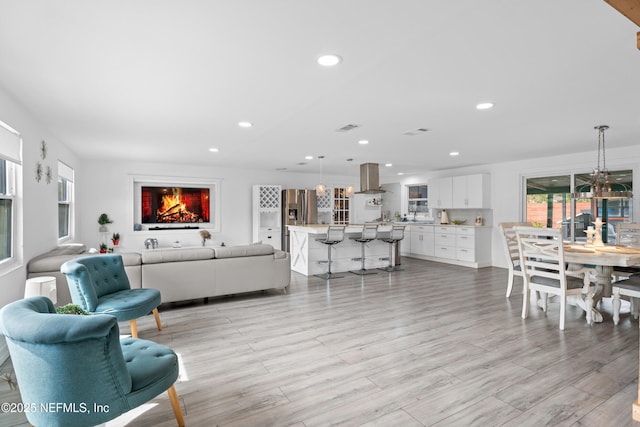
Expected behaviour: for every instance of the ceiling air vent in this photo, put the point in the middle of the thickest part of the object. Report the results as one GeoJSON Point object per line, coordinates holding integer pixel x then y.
{"type": "Point", "coordinates": [416, 131]}
{"type": "Point", "coordinates": [347, 128]}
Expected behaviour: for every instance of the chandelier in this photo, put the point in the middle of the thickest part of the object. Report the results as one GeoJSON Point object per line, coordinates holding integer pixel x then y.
{"type": "Point", "coordinates": [600, 184]}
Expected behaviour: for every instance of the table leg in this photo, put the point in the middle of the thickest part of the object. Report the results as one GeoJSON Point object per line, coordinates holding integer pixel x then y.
{"type": "Point", "coordinates": [602, 289]}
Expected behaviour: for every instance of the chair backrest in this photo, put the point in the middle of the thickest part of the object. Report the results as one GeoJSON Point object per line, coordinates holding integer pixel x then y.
{"type": "Point", "coordinates": [65, 359]}
{"type": "Point", "coordinates": [92, 277]}
{"type": "Point", "coordinates": [335, 233]}
{"type": "Point", "coordinates": [369, 231]}
{"type": "Point", "coordinates": [510, 241]}
{"type": "Point", "coordinates": [628, 234]}
{"type": "Point", "coordinates": [541, 253]}
{"type": "Point", "coordinates": [397, 232]}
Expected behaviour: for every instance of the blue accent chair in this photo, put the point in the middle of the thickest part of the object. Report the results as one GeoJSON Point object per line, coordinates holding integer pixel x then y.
{"type": "Point", "coordinates": [99, 284]}
{"type": "Point", "coordinates": [74, 370]}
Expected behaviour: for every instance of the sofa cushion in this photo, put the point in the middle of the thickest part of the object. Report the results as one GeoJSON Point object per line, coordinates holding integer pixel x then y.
{"type": "Point", "coordinates": [242, 251]}
{"type": "Point", "coordinates": [46, 262]}
{"type": "Point", "coordinates": [156, 256]}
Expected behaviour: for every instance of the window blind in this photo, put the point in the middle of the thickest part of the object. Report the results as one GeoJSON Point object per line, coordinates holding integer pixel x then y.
{"type": "Point", "coordinates": [10, 144]}
{"type": "Point", "coordinates": [65, 171]}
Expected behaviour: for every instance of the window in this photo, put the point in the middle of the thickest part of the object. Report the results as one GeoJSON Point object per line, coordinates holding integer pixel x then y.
{"type": "Point", "coordinates": [549, 204]}
{"type": "Point", "coordinates": [65, 198]}
{"type": "Point", "coordinates": [10, 155]}
{"type": "Point", "coordinates": [612, 211]}
{"type": "Point", "coordinates": [6, 210]}
{"type": "Point", "coordinates": [418, 199]}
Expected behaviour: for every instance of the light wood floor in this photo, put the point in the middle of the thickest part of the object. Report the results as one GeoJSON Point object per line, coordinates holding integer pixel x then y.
{"type": "Point", "coordinates": [434, 344]}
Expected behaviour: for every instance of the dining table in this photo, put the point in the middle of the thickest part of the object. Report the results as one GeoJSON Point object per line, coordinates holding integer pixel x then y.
{"type": "Point", "coordinates": [604, 259]}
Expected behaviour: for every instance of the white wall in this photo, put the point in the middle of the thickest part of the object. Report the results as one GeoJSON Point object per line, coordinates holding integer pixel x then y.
{"type": "Point", "coordinates": [40, 210]}
{"type": "Point", "coordinates": [106, 186]}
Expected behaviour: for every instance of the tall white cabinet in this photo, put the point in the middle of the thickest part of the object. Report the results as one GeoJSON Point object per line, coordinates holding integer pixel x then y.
{"type": "Point", "coordinates": [267, 214]}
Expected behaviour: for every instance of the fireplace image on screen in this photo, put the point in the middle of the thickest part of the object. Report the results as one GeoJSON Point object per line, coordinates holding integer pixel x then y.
{"type": "Point", "coordinates": [174, 205]}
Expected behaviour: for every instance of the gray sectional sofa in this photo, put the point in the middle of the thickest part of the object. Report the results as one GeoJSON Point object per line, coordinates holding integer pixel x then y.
{"type": "Point", "coordinates": [183, 273]}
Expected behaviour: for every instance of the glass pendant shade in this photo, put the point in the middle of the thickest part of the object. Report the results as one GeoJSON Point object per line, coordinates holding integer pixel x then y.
{"type": "Point", "coordinates": [321, 190]}
{"type": "Point", "coordinates": [350, 191]}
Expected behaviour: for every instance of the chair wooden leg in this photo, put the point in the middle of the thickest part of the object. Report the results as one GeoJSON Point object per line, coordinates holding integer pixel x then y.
{"type": "Point", "coordinates": [175, 404]}
{"type": "Point", "coordinates": [510, 283]}
{"type": "Point", "coordinates": [616, 305]}
{"type": "Point", "coordinates": [134, 328]}
{"type": "Point", "coordinates": [157, 316]}
{"type": "Point", "coordinates": [525, 302]}
{"type": "Point", "coordinates": [563, 310]}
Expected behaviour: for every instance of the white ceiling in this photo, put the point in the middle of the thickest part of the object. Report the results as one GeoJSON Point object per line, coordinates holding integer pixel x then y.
{"type": "Point", "coordinates": [166, 80]}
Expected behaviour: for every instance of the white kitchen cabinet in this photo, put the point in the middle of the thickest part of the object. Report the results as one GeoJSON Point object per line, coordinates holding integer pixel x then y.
{"type": "Point", "coordinates": [445, 242]}
{"type": "Point", "coordinates": [469, 246]}
{"type": "Point", "coordinates": [440, 193]}
{"type": "Point", "coordinates": [267, 214]}
{"type": "Point", "coordinates": [422, 240]}
{"type": "Point", "coordinates": [405, 244]}
{"type": "Point", "coordinates": [470, 192]}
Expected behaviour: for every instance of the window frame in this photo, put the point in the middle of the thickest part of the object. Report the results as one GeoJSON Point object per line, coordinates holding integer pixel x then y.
{"type": "Point", "coordinates": [9, 192]}
{"type": "Point", "coordinates": [66, 180]}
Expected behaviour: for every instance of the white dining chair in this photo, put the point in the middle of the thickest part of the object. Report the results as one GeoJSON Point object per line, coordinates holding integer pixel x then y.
{"type": "Point", "coordinates": [627, 234]}
{"type": "Point", "coordinates": [629, 288]}
{"type": "Point", "coordinates": [510, 246]}
{"type": "Point", "coordinates": [544, 269]}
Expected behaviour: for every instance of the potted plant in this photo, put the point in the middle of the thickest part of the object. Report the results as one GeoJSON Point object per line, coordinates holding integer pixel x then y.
{"type": "Point", "coordinates": [103, 248]}
{"type": "Point", "coordinates": [115, 239]}
{"type": "Point", "coordinates": [103, 220]}
{"type": "Point", "coordinates": [204, 235]}
{"type": "Point", "coordinates": [71, 309]}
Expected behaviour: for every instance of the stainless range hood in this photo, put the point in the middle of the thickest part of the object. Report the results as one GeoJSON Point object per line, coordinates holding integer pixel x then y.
{"type": "Point", "coordinates": [369, 179]}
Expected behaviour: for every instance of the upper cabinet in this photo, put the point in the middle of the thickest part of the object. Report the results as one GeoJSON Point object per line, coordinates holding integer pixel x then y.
{"type": "Point", "coordinates": [440, 193]}
{"type": "Point", "coordinates": [471, 192]}
{"type": "Point", "coordinates": [460, 192]}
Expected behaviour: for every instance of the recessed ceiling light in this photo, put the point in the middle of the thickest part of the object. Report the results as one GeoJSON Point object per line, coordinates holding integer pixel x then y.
{"type": "Point", "coordinates": [308, 157]}
{"type": "Point", "coordinates": [363, 142]}
{"type": "Point", "coordinates": [388, 164]}
{"type": "Point", "coordinates": [245, 124]}
{"type": "Point", "coordinates": [454, 153]}
{"type": "Point", "coordinates": [329, 60]}
{"type": "Point", "coordinates": [400, 173]}
{"type": "Point", "coordinates": [214, 150]}
{"type": "Point", "coordinates": [484, 105]}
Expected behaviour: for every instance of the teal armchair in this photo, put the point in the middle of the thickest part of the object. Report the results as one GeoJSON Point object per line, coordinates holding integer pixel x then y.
{"type": "Point", "coordinates": [74, 370]}
{"type": "Point", "coordinates": [99, 284]}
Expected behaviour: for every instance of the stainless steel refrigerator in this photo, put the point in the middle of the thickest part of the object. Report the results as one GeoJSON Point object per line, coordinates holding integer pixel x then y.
{"type": "Point", "coordinates": [299, 207]}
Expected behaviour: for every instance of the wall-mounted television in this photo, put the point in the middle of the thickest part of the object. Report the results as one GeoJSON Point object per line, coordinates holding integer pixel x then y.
{"type": "Point", "coordinates": [174, 205]}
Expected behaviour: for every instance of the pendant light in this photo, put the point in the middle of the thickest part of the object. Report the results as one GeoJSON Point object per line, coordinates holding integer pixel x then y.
{"type": "Point", "coordinates": [321, 189]}
{"type": "Point", "coordinates": [600, 185]}
{"type": "Point", "coordinates": [350, 190]}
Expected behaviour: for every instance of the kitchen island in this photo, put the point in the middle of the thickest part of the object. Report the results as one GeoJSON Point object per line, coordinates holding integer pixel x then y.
{"type": "Point", "coordinates": [307, 253]}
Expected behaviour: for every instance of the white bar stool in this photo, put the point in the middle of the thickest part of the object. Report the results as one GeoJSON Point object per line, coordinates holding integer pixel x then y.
{"type": "Point", "coordinates": [335, 235]}
{"type": "Point", "coordinates": [368, 234]}
{"type": "Point", "coordinates": [396, 234]}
